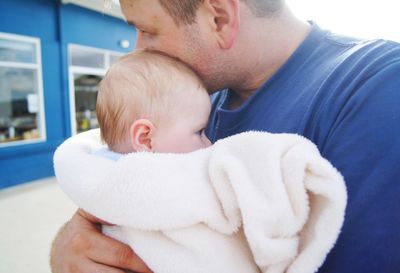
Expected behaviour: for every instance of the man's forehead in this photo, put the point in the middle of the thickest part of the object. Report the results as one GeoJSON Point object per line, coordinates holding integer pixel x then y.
{"type": "Point", "coordinates": [129, 5]}
{"type": "Point", "coordinates": [140, 5]}
{"type": "Point", "coordinates": [144, 12]}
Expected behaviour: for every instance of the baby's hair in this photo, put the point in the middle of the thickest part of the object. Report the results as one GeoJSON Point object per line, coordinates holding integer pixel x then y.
{"type": "Point", "coordinates": [142, 84]}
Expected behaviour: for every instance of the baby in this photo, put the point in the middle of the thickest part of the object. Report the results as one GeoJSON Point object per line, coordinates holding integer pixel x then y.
{"type": "Point", "coordinates": [150, 102]}
{"type": "Point", "coordinates": [254, 202]}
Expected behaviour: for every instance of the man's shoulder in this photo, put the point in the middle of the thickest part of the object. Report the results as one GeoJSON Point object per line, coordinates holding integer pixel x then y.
{"type": "Point", "coordinates": [360, 66]}
{"type": "Point", "coordinates": [361, 54]}
{"type": "Point", "coordinates": [345, 53]}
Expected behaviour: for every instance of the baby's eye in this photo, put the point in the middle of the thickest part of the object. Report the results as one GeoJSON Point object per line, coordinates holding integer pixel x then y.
{"type": "Point", "coordinates": [201, 132]}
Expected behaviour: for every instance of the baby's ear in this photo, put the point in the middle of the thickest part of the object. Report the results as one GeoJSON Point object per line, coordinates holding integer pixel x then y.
{"type": "Point", "coordinates": [141, 133]}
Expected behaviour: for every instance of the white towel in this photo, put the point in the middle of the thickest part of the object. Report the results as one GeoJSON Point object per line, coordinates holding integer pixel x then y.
{"type": "Point", "coordinates": [253, 202]}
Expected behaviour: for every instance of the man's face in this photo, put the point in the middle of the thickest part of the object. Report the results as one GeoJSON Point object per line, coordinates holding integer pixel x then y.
{"type": "Point", "coordinates": [156, 30]}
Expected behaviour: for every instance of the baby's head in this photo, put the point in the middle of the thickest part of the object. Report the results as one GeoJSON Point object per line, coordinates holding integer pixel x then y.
{"type": "Point", "coordinates": [148, 101]}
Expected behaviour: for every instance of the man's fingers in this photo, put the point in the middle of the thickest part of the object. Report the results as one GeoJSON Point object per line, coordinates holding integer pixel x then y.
{"type": "Point", "coordinates": [113, 253]}
{"type": "Point", "coordinates": [92, 218]}
{"type": "Point", "coordinates": [81, 247]}
{"type": "Point", "coordinates": [97, 268]}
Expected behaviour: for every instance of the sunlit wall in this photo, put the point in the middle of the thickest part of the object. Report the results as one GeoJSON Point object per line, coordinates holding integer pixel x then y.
{"type": "Point", "coordinates": [360, 18]}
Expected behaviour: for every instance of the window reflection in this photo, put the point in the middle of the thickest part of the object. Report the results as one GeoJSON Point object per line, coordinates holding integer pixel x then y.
{"type": "Point", "coordinates": [85, 101]}
{"type": "Point", "coordinates": [86, 58]}
{"type": "Point", "coordinates": [20, 97]}
{"type": "Point", "coordinates": [15, 51]}
{"type": "Point", "coordinates": [18, 104]}
{"type": "Point", "coordinates": [87, 67]}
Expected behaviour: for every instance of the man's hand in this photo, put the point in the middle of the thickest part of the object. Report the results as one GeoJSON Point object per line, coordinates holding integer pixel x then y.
{"type": "Point", "coordinates": [81, 247]}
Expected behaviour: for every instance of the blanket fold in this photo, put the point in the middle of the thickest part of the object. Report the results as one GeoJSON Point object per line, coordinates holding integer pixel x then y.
{"type": "Point", "coordinates": [251, 202]}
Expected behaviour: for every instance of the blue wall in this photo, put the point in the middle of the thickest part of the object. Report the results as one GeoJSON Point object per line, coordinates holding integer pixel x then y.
{"type": "Point", "coordinates": [56, 26]}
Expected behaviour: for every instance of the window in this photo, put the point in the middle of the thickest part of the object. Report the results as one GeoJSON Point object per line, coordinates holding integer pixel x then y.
{"type": "Point", "coordinates": [87, 66]}
{"type": "Point", "coordinates": [21, 91]}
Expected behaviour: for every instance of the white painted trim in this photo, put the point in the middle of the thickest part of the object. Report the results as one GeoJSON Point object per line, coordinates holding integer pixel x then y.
{"type": "Point", "coordinates": [19, 65]}
{"type": "Point", "coordinates": [41, 92]}
{"type": "Point", "coordinates": [107, 59]}
{"type": "Point", "coordinates": [72, 108]}
{"type": "Point", "coordinates": [19, 38]}
{"type": "Point", "coordinates": [37, 66]}
{"type": "Point", "coordinates": [94, 49]}
{"type": "Point", "coordinates": [88, 70]}
{"type": "Point", "coordinates": [21, 142]}
{"type": "Point", "coordinates": [106, 53]}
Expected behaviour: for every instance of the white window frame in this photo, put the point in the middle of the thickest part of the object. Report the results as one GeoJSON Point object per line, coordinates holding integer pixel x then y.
{"type": "Point", "coordinates": [38, 67]}
{"type": "Point", "coordinates": [84, 70]}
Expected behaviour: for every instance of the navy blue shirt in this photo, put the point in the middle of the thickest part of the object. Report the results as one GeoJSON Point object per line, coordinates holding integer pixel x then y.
{"type": "Point", "coordinates": [344, 95]}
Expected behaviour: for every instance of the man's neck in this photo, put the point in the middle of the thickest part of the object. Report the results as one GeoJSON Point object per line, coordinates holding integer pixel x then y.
{"type": "Point", "coordinates": [275, 44]}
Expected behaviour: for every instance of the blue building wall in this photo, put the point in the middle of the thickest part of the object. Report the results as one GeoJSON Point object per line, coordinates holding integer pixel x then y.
{"type": "Point", "coordinates": [56, 26]}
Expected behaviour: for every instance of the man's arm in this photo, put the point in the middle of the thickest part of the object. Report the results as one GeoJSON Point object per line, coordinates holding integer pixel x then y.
{"type": "Point", "coordinates": [364, 145]}
{"type": "Point", "coordinates": [81, 247]}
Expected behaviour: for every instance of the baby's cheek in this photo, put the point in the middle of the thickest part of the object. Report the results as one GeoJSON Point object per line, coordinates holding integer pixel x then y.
{"type": "Point", "coordinates": [206, 142]}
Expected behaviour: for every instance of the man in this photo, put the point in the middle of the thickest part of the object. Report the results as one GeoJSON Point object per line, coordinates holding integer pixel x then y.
{"type": "Point", "coordinates": [281, 75]}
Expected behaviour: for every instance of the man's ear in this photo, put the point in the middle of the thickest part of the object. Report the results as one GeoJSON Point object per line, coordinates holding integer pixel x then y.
{"type": "Point", "coordinates": [225, 20]}
{"type": "Point", "coordinates": [141, 133]}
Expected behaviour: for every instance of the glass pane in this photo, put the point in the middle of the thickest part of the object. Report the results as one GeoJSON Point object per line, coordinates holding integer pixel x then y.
{"type": "Point", "coordinates": [19, 105]}
{"type": "Point", "coordinates": [114, 58]}
{"type": "Point", "coordinates": [15, 51]}
{"type": "Point", "coordinates": [87, 58]}
{"type": "Point", "coordinates": [85, 101]}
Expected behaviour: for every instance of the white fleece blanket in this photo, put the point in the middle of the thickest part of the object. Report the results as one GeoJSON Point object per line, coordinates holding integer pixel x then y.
{"type": "Point", "coordinates": [253, 202]}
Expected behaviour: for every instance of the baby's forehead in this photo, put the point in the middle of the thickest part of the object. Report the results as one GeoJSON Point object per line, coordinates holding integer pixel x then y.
{"type": "Point", "coordinates": [148, 75]}
{"type": "Point", "coordinates": [193, 101]}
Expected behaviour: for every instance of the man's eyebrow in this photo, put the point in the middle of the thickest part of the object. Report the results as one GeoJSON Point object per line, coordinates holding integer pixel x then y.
{"type": "Point", "coordinates": [135, 24]}
{"type": "Point", "coordinates": [130, 22]}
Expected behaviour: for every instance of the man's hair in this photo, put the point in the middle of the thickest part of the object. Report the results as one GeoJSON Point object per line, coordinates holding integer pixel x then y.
{"type": "Point", "coordinates": [141, 84]}
{"type": "Point", "coordinates": [184, 11]}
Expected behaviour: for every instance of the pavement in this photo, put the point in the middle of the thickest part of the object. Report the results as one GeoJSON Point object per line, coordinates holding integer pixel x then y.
{"type": "Point", "coordinates": [30, 216]}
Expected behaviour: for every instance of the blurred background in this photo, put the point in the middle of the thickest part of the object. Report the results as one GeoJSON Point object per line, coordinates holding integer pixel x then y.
{"type": "Point", "coordinates": [52, 56]}
{"type": "Point", "coordinates": [53, 53]}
